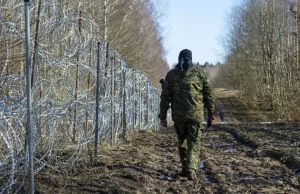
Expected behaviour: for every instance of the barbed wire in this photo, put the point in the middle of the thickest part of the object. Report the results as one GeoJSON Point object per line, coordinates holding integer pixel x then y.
{"type": "Point", "coordinates": [64, 93]}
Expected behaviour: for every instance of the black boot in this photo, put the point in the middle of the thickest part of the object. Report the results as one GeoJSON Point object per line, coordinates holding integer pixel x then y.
{"type": "Point", "coordinates": [191, 174]}
{"type": "Point", "coordinates": [184, 172]}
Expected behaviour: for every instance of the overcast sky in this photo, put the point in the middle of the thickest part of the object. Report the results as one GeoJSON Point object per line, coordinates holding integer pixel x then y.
{"type": "Point", "coordinates": [196, 25]}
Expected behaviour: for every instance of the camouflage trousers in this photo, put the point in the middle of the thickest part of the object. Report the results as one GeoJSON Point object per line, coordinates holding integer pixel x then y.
{"type": "Point", "coordinates": [189, 143]}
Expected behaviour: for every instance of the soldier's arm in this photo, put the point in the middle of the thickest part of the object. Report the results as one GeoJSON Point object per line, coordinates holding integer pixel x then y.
{"type": "Point", "coordinates": [164, 99]}
{"type": "Point", "coordinates": [208, 97]}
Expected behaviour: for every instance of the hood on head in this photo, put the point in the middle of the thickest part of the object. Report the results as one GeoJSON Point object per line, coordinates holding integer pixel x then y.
{"type": "Point", "coordinates": [185, 53]}
{"type": "Point", "coordinates": [184, 60]}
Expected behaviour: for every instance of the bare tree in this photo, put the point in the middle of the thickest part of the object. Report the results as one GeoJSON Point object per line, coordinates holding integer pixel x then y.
{"type": "Point", "coordinates": [262, 48]}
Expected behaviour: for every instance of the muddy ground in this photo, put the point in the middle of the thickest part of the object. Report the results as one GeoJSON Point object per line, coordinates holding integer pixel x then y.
{"type": "Point", "coordinates": [239, 155]}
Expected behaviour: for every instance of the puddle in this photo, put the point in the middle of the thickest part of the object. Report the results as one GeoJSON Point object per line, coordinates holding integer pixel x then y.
{"type": "Point", "coordinates": [201, 166]}
{"type": "Point", "coordinates": [207, 177]}
{"type": "Point", "coordinates": [297, 171]}
{"type": "Point", "coordinates": [222, 147]}
{"type": "Point", "coordinates": [262, 123]}
{"type": "Point", "coordinates": [231, 150]}
{"type": "Point", "coordinates": [207, 180]}
{"type": "Point", "coordinates": [249, 178]}
{"type": "Point", "coordinates": [170, 179]}
{"type": "Point", "coordinates": [297, 153]}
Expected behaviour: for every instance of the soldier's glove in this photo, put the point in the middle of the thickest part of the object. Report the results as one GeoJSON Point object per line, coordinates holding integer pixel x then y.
{"type": "Point", "coordinates": [210, 121]}
{"type": "Point", "coordinates": [164, 123]}
{"type": "Point", "coordinates": [161, 82]}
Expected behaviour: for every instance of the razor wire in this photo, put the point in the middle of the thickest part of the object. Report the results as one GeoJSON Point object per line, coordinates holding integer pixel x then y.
{"type": "Point", "coordinates": [64, 92]}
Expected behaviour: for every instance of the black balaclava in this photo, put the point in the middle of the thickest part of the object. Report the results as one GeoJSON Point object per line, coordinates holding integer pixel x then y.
{"type": "Point", "coordinates": [184, 60]}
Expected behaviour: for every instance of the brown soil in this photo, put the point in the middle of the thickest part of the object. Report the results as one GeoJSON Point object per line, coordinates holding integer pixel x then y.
{"type": "Point", "coordinates": [242, 156]}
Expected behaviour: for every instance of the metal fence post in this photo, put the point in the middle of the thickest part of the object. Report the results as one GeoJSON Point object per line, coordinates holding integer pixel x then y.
{"type": "Point", "coordinates": [112, 102]}
{"type": "Point", "coordinates": [133, 100]}
{"type": "Point", "coordinates": [124, 105]}
{"type": "Point", "coordinates": [28, 78]}
{"type": "Point", "coordinates": [158, 110]}
{"type": "Point", "coordinates": [97, 100]}
{"type": "Point", "coordinates": [36, 44]}
{"type": "Point", "coordinates": [152, 107]}
{"type": "Point", "coordinates": [155, 110]}
{"type": "Point", "coordinates": [156, 107]}
{"type": "Point", "coordinates": [140, 104]}
{"type": "Point", "coordinates": [147, 105]}
{"type": "Point", "coordinates": [77, 84]}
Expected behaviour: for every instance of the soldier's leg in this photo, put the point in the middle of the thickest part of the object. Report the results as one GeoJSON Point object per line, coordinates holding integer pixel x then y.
{"type": "Point", "coordinates": [193, 145]}
{"type": "Point", "coordinates": [181, 131]}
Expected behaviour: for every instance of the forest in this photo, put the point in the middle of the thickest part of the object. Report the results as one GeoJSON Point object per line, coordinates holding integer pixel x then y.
{"type": "Point", "coordinates": [261, 46]}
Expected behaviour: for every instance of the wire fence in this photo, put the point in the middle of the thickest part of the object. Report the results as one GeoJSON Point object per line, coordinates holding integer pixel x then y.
{"type": "Point", "coordinates": [65, 52]}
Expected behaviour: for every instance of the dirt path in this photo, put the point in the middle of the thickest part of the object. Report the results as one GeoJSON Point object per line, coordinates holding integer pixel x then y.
{"type": "Point", "coordinates": [239, 158]}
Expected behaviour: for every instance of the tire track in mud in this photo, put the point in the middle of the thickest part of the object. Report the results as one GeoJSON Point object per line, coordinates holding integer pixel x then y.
{"type": "Point", "coordinates": [291, 161]}
{"type": "Point", "coordinates": [229, 110]}
{"type": "Point", "coordinates": [270, 145]}
{"type": "Point", "coordinates": [221, 105]}
{"type": "Point", "coordinates": [234, 170]}
{"type": "Point", "coordinates": [282, 131]}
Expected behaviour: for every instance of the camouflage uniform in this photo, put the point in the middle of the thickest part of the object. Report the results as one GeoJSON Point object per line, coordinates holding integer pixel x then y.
{"type": "Point", "coordinates": [188, 92]}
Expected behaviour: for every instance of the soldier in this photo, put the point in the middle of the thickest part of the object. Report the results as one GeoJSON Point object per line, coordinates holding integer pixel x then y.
{"type": "Point", "coordinates": [188, 90]}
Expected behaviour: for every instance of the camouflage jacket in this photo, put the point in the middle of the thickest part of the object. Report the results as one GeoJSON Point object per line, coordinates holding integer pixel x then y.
{"type": "Point", "coordinates": [188, 92]}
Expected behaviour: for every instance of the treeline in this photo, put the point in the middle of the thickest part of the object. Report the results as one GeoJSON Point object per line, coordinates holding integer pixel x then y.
{"type": "Point", "coordinates": [262, 53]}
{"type": "Point", "coordinates": [131, 27]}
{"type": "Point", "coordinates": [210, 69]}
